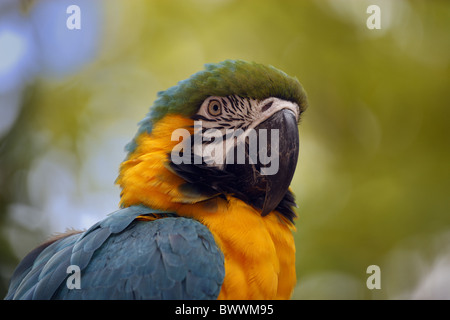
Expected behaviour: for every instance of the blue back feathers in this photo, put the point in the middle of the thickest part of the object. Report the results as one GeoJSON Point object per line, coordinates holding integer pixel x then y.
{"type": "Point", "coordinates": [124, 258]}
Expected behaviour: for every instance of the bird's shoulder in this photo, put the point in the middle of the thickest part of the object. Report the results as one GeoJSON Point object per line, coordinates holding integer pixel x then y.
{"type": "Point", "coordinates": [135, 253]}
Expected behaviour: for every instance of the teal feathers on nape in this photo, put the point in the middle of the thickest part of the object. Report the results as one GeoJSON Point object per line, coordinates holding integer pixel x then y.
{"type": "Point", "coordinates": [230, 77]}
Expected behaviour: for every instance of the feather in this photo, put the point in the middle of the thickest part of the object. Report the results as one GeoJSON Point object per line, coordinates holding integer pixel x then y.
{"type": "Point", "coordinates": [124, 258]}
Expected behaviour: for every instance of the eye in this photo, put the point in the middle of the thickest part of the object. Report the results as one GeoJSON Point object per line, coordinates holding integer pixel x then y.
{"type": "Point", "coordinates": [214, 108]}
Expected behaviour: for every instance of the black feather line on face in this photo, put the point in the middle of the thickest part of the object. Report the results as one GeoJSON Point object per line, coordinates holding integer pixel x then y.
{"type": "Point", "coordinates": [236, 103]}
{"type": "Point", "coordinates": [224, 103]}
{"type": "Point", "coordinates": [199, 117]}
{"type": "Point", "coordinates": [233, 106]}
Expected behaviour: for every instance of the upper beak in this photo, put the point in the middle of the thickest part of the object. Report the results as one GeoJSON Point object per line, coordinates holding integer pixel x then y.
{"type": "Point", "coordinates": [265, 184]}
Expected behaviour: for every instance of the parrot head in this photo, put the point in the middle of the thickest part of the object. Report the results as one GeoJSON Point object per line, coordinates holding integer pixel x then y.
{"type": "Point", "coordinates": [227, 131]}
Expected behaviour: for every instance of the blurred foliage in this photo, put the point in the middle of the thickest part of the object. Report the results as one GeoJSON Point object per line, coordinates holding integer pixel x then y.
{"type": "Point", "coordinates": [373, 176]}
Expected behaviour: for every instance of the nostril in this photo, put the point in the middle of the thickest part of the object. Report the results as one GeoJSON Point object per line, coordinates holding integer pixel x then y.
{"type": "Point", "coordinates": [266, 106]}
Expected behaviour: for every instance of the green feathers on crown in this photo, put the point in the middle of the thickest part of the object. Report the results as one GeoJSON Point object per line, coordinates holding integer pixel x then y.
{"type": "Point", "coordinates": [230, 77]}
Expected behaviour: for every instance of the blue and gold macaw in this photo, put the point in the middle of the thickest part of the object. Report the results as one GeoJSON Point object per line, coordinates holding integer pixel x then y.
{"type": "Point", "coordinates": [201, 228]}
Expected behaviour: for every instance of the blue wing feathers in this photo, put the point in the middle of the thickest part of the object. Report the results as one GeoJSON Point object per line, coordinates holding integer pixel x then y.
{"type": "Point", "coordinates": [124, 258]}
{"type": "Point", "coordinates": [24, 284]}
{"type": "Point", "coordinates": [24, 267]}
{"type": "Point", "coordinates": [52, 275]}
{"type": "Point", "coordinates": [83, 250]}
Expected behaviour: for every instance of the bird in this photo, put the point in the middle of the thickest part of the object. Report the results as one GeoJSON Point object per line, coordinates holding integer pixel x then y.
{"type": "Point", "coordinates": [206, 211]}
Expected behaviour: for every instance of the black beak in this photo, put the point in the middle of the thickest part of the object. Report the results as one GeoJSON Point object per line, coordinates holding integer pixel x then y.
{"type": "Point", "coordinates": [266, 181]}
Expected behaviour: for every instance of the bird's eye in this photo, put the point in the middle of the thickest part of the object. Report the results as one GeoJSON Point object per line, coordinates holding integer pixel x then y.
{"type": "Point", "coordinates": [214, 108]}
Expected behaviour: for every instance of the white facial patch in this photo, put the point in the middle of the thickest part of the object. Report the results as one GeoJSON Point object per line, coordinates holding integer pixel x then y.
{"type": "Point", "coordinates": [225, 126]}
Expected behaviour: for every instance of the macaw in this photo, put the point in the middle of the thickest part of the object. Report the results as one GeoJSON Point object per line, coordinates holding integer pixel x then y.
{"type": "Point", "coordinates": [198, 219]}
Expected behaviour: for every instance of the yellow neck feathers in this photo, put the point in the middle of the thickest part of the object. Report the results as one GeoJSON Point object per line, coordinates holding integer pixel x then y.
{"type": "Point", "coordinates": [259, 251]}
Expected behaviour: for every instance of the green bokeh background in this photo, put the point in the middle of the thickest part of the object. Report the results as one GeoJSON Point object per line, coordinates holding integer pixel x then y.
{"type": "Point", "coordinates": [373, 177]}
